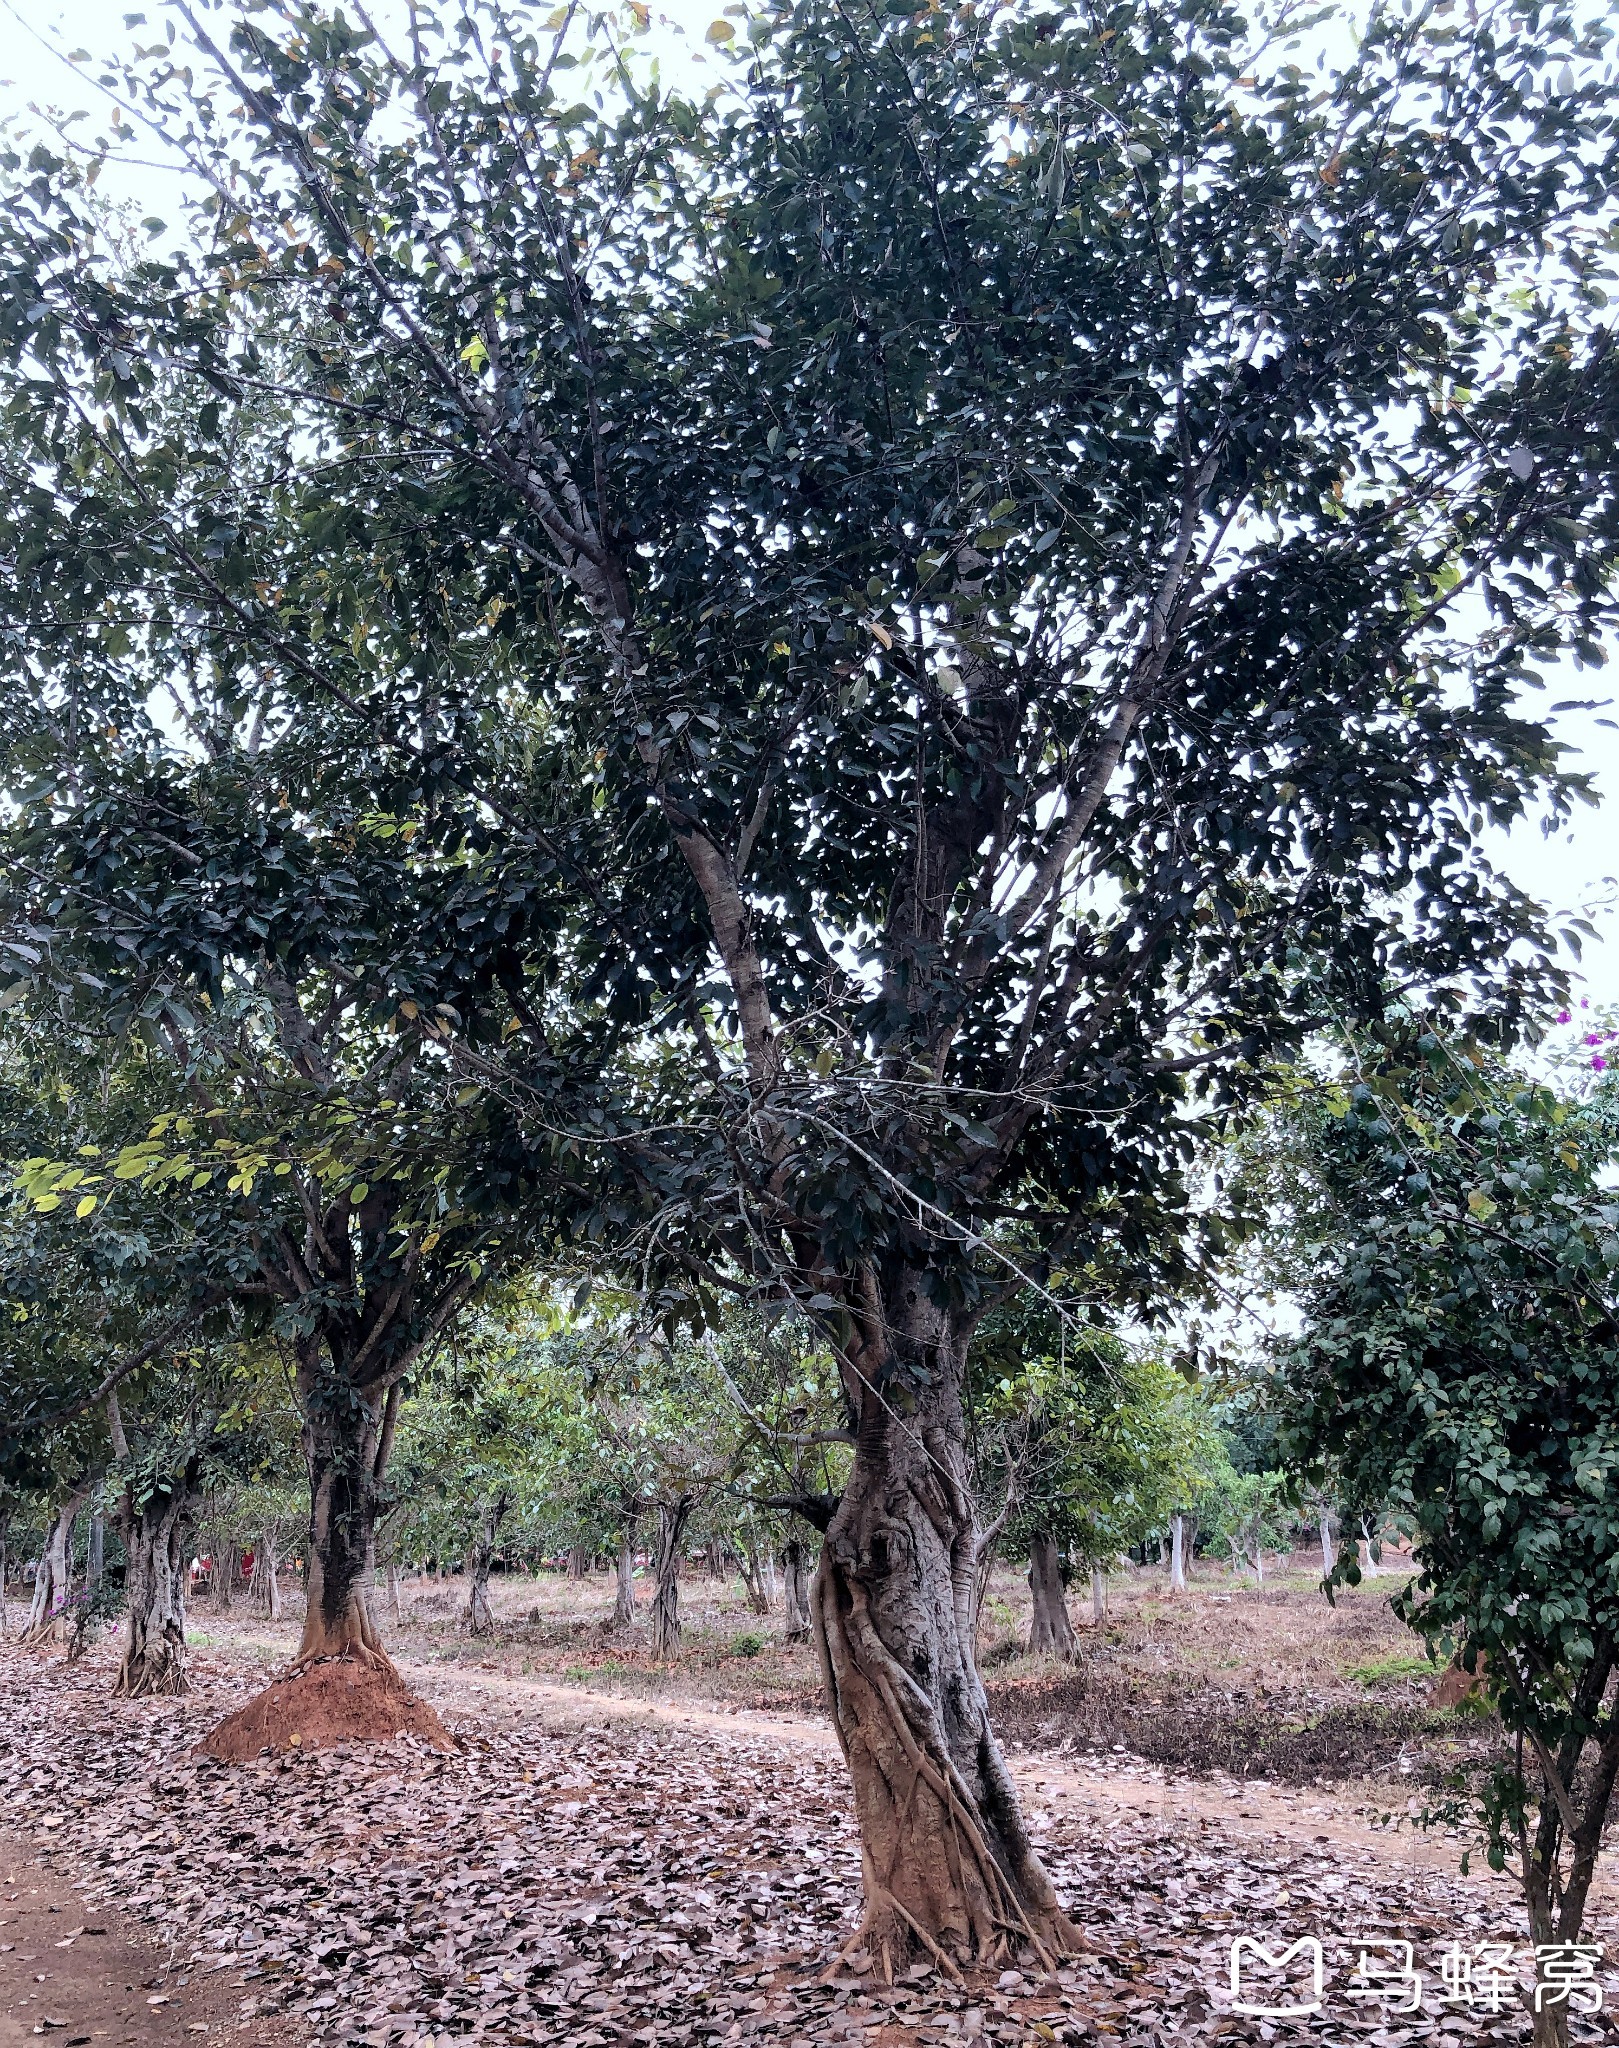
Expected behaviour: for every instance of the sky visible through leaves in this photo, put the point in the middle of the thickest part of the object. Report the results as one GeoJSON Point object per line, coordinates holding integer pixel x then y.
{"type": "Point", "coordinates": [1575, 871]}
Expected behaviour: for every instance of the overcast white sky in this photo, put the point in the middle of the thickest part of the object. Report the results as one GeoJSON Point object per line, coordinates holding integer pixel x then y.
{"type": "Point", "coordinates": [1575, 869]}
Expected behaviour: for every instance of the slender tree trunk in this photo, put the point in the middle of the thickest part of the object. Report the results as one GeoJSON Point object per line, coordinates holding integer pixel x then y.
{"type": "Point", "coordinates": [624, 1596]}
{"type": "Point", "coordinates": [341, 1435]}
{"type": "Point", "coordinates": [95, 1563]}
{"type": "Point", "coordinates": [1098, 1594]}
{"type": "Point", "coordinates": [1051, 1630]}
{"type": "Point", "coordinates": [480, 1561]}
{"type": "Point", "coordinates": [946, 1858]}
{"type": "Point", "coordinates": [795, 1591]}
{"type": "Point", "coordinates": [672, 1518]}
{"type": "Point", "coordinates": [225, 1556]}
{"type": "Point", "coordinates": [264, 1591]}
{"type": "Point", "coordinates": [1329, 1554]}
{"type": "Point", "coordinates": [1369, 1566]}
{"type": "Point", "coordinates": [753, 1580]}
{"type": "Point", "coordinates": [393, 1594]}
{"type": "Point", "coordinates": [1177, 1553]}
{"type": "Point", "coordinates": [53, 1580]}
{"type": "Point", "coordinates": [156, 1538]}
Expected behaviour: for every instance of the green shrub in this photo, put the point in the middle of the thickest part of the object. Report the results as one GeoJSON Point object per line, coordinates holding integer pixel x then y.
{"type": "Point", "coordinates": [748, 1644]}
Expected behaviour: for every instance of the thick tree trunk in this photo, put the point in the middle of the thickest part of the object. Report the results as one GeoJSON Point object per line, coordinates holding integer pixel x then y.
{"type": "Point", "coordinates": [1051, 1631]}
{"type": "Point", "coordinates": [624, 1596]}
{"type": "Point", "coordinates": [948, 1864]}
{"type": "Point", "coordinates": [796, 1591]}
{"type": "Point", "coordinates": [1177, 1553]}
{"type": "Point", "coordinates": [340, 1439]}
{"type": "Point", "coordinates": [156, 1538]}
{"type": "Point", "coordinates": [672, 1518]}
{"type": "Point", "coordinates": [578, 1561]}
{"type": "Point", "coordinates": [53, 1580]}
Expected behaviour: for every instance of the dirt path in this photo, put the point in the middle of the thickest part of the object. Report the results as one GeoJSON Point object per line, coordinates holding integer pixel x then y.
{"type": "Point", "coordinates": [1122, 1785]}
{"type": "Point", "coordinates": [74, 1977]}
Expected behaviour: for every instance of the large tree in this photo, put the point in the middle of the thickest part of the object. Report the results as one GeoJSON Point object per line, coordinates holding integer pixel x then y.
{"type": "Point", "coordinates": [965, 589]}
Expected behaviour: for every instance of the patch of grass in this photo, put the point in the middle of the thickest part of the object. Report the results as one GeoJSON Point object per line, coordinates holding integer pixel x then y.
{"type": "Point", "coordinates": [749, 1643]}
{"type": "Point", "coordinates": [1386, 1670]}
{"type": "Point", "coordinates": [577, 1672]}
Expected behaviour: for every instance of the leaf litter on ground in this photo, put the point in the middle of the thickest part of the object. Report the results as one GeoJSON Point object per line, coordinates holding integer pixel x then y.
{"type": "Point", "coordinates": [605, 1885]}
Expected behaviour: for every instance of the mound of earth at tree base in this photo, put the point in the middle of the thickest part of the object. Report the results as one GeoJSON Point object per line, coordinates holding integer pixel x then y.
{"type": "Point", "coordinates": [332, 1700]}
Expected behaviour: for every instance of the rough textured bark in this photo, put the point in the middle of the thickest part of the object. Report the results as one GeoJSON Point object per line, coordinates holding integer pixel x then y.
{"type": "Point", "coordinates": [672, 1518]}
{"type": "Point", "coordinates": [226, 1556]}
{"type": "Point", "coordinates": [796, 1591]}
{"type": "Point", "coordinates": [578, 1561]}
{"type": "Point", "coordinates": [752, 1564]}
{"type": "Point", "coordinates": [1051, 1630]}
{"type": "Point", "coordinates": [1177, 1553]}
{"type": "Point", "coordinates": [480, 1561]}
{"type": "Point", "coordinates": [624, 1596]}
{"type": "Point", "coordinates": [265, 1588]}
{"type": "Point", "coordinates": [341, 1435]}
{"type": "Point", "coordinates": [95, 1562]}
{"type": "Point", "coordinates": [156, 1537]}
{"type": "Point", "coordinates": [946, 1859]}
{"type": "Point", "coordinates": [53, 1579]}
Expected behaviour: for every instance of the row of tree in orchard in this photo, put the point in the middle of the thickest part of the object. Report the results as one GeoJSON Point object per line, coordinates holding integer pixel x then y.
{"type": "Point", "coordinates": [791, 699]}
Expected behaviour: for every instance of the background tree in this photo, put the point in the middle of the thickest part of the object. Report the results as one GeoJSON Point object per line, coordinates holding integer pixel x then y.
{"type": "Point", "coordinates": [1460, 1362]}
{"type": "Point", "coordinates": [982, 576]}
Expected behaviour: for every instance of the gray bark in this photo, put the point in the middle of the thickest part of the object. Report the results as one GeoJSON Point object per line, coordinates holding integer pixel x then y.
{"type": "Point", "coordinates": [795, 1591]}
{"type": "Point", "coordinates": [1177, 1553]}
{"type": "Point", "coordinates": [1098, 1594]}
{"type": "Point", "coordinates": [155, 1537]}
{"type": "Point", "coordinates": [1051, 1632]}
{"type": "Point", "coordinates": [624, 1594]}
{"type": "Point", "coordinates": [672, 1518]}
{"type": "Point", "coordinates": [53, 1580]}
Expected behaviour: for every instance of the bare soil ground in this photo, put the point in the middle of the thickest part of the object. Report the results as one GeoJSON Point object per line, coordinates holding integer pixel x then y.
{"type": "Point", "coordinates": [621, 1854]}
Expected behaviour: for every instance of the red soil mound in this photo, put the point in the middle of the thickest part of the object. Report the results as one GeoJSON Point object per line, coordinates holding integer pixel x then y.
{"type": "Point", "coordinates": [335, 1699]}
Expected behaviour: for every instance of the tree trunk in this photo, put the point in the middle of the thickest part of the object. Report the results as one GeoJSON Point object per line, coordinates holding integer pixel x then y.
{"type": "Point", "coordinates": [480, 1560]}
{"type": "Point", "coordinates": [1369, 1566]}
{"type": "Point", "coordinates": [624, 1598]}
{"type": "Point", "coordinates": [1051, 1631]}
{"type": "Point", "coordinates": [95, 1562]}
{"type": "Point", "coordinates": [341, 1434]}
{"type": "Point", "coordinates": [1177, 1553]}
{"type": "Point", "coordinates": [946, 1859]}
{"type": "Point", "coordinates": [264, 1588]}
{"type": "Point", "coordinates": [1329, 1555]}
{"type": "Point", "coordinates": [225, 1556]}
{"type": "Point", "coordinates": [53, 1579]}
{"type": "Point", "coordinates": [393, 1594]}
{"type": "Point", "coordinates": [753, 1580]}
{"type": "Point", "coordinates": [578, 1561]}
{"type": "Point", "coordinates": [156, 1538]}
{"type": "Point", "coordinates": [1098, 1594]}
{"type": "Point", "coordinates": [672, 1518]}
{"type": "Point", "coordinates": [795, 1591]}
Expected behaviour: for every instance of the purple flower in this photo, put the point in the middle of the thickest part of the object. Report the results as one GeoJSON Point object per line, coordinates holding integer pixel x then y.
{"type": "Point", "coordinates": [1599, 1064]}
{"type": "Point", "coordinates": [1593, 1038]}
{"type": "Point", "coordinates": [1563, 1016]}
